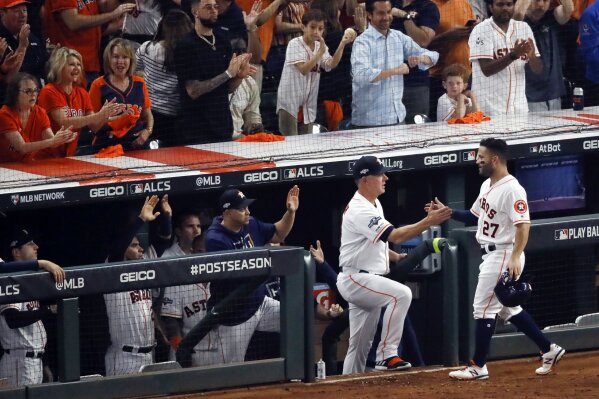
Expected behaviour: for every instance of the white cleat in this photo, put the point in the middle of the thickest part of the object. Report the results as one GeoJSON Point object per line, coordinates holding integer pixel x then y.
{"type": "Point", "coordinates": [472, 372]}
{"type": "Point", "coordinates": [550, 359]}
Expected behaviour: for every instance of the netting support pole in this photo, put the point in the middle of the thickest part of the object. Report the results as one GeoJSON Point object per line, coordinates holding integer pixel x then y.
{"type": "Point", "coordinates": [68, 340]}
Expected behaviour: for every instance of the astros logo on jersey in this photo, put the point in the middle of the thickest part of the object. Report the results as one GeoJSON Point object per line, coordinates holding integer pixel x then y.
{"type": "Point", "coordinates": [520, 206]}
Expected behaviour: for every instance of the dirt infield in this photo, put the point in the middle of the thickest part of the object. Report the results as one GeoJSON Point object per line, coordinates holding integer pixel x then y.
{"type": "Point", "coordinates": [576, 376]}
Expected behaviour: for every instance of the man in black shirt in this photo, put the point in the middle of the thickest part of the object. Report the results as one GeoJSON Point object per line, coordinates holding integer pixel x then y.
{"type": "Point", "coordinates": [207, 71]}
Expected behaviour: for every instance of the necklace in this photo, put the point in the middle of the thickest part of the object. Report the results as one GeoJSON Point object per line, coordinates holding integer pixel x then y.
{"type": "Point", "coordinates": [210, 44]}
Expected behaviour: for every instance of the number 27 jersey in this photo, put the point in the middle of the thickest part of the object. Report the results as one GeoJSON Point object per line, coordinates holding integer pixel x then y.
{"type": "Point", "coordinates": [499, 208]}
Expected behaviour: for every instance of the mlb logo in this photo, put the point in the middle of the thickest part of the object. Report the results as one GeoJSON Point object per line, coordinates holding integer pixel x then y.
{"type": "Point", "coordinates": [561, 234]}
{"type": "Point", "coordinates": [136, 188]}
{"type": "Point", "coordinates": [15, 199]}
{"type": "Point", "coordinates": [351, 165]}
{"type": "Point", "coordinates": [469, 156]}
{"type": "Point", "coordinates": [534, 148]}
{"type": "Point", "coordinates": [290, 173]}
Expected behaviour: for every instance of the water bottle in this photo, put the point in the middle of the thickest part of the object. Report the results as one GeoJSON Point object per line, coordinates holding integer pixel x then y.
{"type": "Point", "coordinates": [321, 370]}
{"type": "Point", "coordinates": [578, 99]}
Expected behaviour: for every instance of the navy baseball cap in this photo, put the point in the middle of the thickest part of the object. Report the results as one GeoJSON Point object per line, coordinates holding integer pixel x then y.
{"type": "Point", "coordinates": [20, 238]}
{"type": "Point", "coordinates": [368, 165]}
{"type": "Point", "coordinates": [234, 199]}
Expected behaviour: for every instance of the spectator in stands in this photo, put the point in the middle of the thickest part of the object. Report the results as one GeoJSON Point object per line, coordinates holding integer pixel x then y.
{"type": "Point", "coordinates": [298, 88]}
{"type": "Point", "coordinates": [67, 102]}
{"type": "Point", "coordinates": [25, 52]}
{"type": "Point", "coordinates": [589, 47]}
{"type": "Point", "coordinates": [378, 67]}
{"type": "Point", "coordinates": [156, 59]}
{"type": "Point", "coordinates": [335, 85]}
{"type": "Point", "coordinates": [25, 132]}
{"type": "Point", "coordinates": [544, 90]}
{"type": "Point", "coordinates": [119, 84]}
{"type": "Point", "coordinates": [458, 101]}
{"type": "Point", "coordinates": [142, 24]}
{"type": "Point", "coordinates": [78, 25]}
{"type": "Point", "coordinates": [22, 333]}
{"type": "Point", "coordinates": [207, 71]}
{"type": "Point", "coordinates": [451, 42]}
{"type": "Point", "coordinates": [230, 18]}
{"type": "Point", "coordinates": [130, 313]}
{"type": "Point", "coordinates": [418, 19]}
{"type": "Point", "coordinates": [288, 25]}
{"type": "Point", "coordinates": [498, 75]}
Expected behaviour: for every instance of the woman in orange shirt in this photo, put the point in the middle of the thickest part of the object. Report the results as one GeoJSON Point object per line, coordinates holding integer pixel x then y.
{"type": "Point", "coordinates": [66, 100]}
{"type": "Point", "coordinates": [25, 132]}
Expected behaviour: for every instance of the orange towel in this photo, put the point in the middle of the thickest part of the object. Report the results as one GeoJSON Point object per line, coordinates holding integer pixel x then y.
{"type": "Point", "coordinates": [333, 113]}
{"type": "Point", "coordinates": [474, 117]}
{"type": "Point", "coordinates": [111, 152]}
{"type": "Point", "coordinates": [261, 138]}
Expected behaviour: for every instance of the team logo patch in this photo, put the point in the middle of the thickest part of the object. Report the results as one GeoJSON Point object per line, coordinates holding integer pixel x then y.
{"type": "Point", "coordinates": [520, 206]}
{"type": "Point", "coordinates": [374, 221]}
{"type": "Point", "coordinates": [480, 41]}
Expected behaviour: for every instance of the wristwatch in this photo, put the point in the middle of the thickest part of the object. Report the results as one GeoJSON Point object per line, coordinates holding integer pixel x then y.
{"type": "Point", "coordinates": [408, 17]}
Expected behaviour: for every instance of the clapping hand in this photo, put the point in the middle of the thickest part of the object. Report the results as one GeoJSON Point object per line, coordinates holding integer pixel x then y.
{"type": "Point", "coordinates": [147, 213]}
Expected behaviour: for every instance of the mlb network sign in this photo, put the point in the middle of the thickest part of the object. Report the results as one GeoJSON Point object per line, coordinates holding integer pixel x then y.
{"type": "Point", "coordinates": [577, 233]}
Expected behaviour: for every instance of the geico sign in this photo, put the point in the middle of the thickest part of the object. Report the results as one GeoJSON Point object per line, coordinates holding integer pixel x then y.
{"type": "Point", "coordinates": [440, 159]}
{"type": "Point", "coordinates": [590, 145]}
{"type": "Point", "coordinates": [256, 177]}
{"type": "Point", "coordinates": [138, 276]}
{"type": "Point", "coordinates": [113, 191]}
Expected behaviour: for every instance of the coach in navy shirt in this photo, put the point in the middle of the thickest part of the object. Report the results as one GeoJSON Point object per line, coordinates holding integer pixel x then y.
{"type": "Point", "coordinates": [236, 229]}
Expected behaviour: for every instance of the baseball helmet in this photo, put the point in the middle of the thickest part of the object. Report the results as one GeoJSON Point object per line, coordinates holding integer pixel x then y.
{"type": "Point", "coordinates": [513, 292]}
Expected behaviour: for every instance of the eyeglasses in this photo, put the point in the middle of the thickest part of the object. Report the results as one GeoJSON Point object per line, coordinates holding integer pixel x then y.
{"type": "Point", "coordinates": [30, 92]}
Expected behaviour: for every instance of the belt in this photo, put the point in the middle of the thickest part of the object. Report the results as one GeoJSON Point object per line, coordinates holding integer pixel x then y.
{"type": "Point", "coordinates": [350, 270]}
{"type": "Point", "coordinates": [138, 349]}
{"type": "Point", "coordinates": [31, 354]}
{"type": "Point", "coordinates": [488, 248]}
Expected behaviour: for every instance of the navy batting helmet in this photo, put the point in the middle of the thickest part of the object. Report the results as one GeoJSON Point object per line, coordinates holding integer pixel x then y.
{"type": "Point", "coordinates": [513, 292]}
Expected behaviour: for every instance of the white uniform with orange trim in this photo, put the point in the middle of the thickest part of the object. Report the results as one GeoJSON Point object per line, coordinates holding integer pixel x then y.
{"type": "Point", "coordinates": [189, 303]}
{"type": "Point", "coordinates": [504, 92]}
{"type": "Point", "coordinates": [21, 363]}
{"type": "Point", "coordinates": [499, 209]}
{"type": "Point", "coordinates": [364, 258]}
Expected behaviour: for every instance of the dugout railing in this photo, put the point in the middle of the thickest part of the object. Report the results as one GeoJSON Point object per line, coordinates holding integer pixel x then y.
{"type": "Point", "coordinates": [562, 258]}
{"type": "Point", "coordinates": [296, 361]}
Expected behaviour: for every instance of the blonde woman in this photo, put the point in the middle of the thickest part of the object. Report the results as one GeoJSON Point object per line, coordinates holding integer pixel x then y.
{"type": "Point", "coordinates": [67, 102]}
{"type": "Point", "coordinates": [120, 84]}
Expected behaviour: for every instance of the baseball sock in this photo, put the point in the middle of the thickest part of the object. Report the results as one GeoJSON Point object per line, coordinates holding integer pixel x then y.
{"type": "Point", "coordinates": [527, 325]}
{"type": "Point", "coordinates": [484, 331]}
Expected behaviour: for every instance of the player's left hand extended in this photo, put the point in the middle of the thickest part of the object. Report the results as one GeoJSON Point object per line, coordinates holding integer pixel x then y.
{"type": "Point", "coordinates": [317, 253]}
{"type": "Point", "coordinates": [293, 199]}
{"type": "Point", "coordinates": [514, 268]}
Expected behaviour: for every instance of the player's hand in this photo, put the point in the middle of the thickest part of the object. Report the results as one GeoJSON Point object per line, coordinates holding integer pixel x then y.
{"type": "Point", "coordinates": [57, 271]}
{"type": "Point", "coordinates": [334, 311]}
{"type": "Point", "coordinates": [165, 206]}
{"type": "Point", "coordinates": [439, 215]}
{"type": "Point", "coordinates": [317, 253]}
{"type": "Point", "coordinates": [514, 268]}
{"type": "Point", "coordinates": [403, 69]}
{"type": "Point", "coordinates": [434, 204]}
{"type": "Point", "coordinates": [147, 213]}
{"type": "Point", "coordinates": [293, 199]}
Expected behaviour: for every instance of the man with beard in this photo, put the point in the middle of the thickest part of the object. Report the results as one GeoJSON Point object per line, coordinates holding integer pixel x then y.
{"type": "Point", "coordinates": [500, 48]}
{"type": "Point", "coordinates": [501, 211]}
{"type": "Point", "coordinates": [207, 71]}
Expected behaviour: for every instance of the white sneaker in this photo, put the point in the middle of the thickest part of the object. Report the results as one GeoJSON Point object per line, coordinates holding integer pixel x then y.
{"type": "Point", "coordinates": [472, 372]}
{"type": "Point", "coordinates": [550, 359]}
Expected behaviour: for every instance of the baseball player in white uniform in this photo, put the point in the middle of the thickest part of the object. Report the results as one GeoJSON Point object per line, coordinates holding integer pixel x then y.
{"type": "Point", "coordinates": [22, 332]}
{"type": "Point", "coordinates": [364, 259]}
{"type": "Point", "coordinates": [501, 210]}
{"type": "Point", "coordinates": [130, 313]}
{"type": "Point", "coordinates": [500, 47]}
{"type": "Point", "coordinates": [187, 304]}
